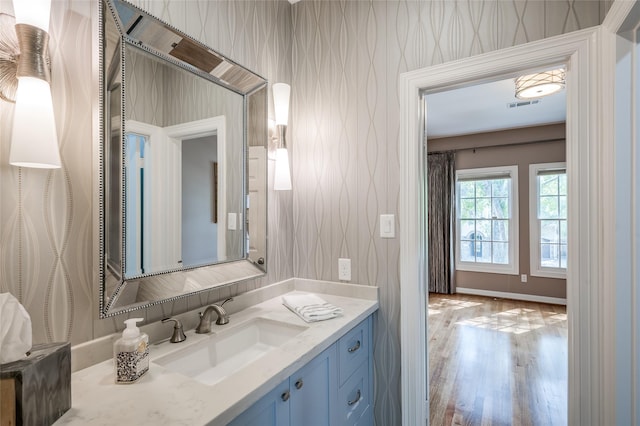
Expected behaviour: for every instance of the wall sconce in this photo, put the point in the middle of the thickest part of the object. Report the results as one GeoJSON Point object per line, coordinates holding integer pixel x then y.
{"type": "Point", "coordinates": [24, 79]}
{"type": "Point", "coordinates": [282, 178]}
{"type": "Point", "coordinates": [540, 84]}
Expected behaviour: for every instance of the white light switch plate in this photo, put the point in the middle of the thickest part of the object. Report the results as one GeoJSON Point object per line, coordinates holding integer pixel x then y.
{"type": "Point", "coordinates": [387, 226]}
{"type": "Point", "coordinates": [232, 222]}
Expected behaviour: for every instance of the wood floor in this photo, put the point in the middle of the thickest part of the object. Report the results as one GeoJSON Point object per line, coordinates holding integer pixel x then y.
{"type": "Point", "coordinates": [496, 361]}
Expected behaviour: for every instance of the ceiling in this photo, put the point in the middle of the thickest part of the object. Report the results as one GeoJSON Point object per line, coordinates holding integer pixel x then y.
{"type": "Point", "coordinates": [485, 107]}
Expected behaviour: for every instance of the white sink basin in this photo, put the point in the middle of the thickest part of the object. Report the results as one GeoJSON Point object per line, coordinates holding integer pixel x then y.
{"type": "Point", "coordinates": [229, 350]}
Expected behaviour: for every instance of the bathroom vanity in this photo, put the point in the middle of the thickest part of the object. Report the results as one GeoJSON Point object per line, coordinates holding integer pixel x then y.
{"type": "Point", "coordinates": [335, 388]}
{"type": "Point", "coordinates": [277, 369]}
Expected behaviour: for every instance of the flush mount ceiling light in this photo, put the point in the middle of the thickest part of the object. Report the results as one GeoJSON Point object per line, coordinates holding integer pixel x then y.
{"type": "Point", "coordinates": [24, 79]}
{"type": "Point", "coordinates": [540, 84]}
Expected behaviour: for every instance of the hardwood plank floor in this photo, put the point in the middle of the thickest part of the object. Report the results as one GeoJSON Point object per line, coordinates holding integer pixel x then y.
{"type": "Point", "coordinates": [496, 361]}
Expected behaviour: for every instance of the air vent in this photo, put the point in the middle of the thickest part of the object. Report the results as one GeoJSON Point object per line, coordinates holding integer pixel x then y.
{"type": "Point", "coordinates": [523, 103]}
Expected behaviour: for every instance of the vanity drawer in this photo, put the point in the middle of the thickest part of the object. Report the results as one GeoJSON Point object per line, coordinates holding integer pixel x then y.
{"type": "Point", "coordinates": [354, 397]}
{"type": "Point", "coordinates": [353, 349]}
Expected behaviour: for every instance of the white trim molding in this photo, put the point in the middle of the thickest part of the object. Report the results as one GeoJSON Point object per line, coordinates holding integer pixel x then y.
{"type": "Point", "coordinates": [208, 127]}
{"type": "Point", "coordinates": [513, 296]}
{"type": "Point", "coordinates": [589, 396]}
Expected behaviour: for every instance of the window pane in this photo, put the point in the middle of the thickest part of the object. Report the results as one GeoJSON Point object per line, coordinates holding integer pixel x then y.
{"type": "Point", "coordinates": [500, 208]}
{"type": "Point", "coordinates": [549, 255]}
{"type": "Point", "coordinates": [483, 229]}
{"type": "Point", "coordinates": [562, 184]}
{"type": "Point", "coordinates": [500, 187]}
{"type": "Point", "coordinates": [548, 184]}
{"type": "Point", "coordinates": [467, 229]}
{"type": "Point", "coordinates": [548, 207]}
{"type": "Point", "coordinates": [467, 189]}
{"type": "Point", "coordinates": [501, 253]}
{"type": "Point", "coordinates": [466, 251]}
{"type": "Point", "coordinates": [467, 208]}
{"type": "Point", "coordinates": [563, 206]}
{"type": "Point", "coordinates": [484, 253]}
{"type": "Point", "coordinates": [483, 188]}
{"type": "Point", "coordinates": [552, 213]}
{"type": "Point", "coordinates": [500, 230]}
{"type": "Point", "coordinates": [483, 207]}
{"type": "Point", "coordinates": [549, 231]}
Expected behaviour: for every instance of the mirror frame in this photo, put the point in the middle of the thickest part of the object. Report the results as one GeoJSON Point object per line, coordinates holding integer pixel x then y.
{"type": "Point", "coordinates": [227, 74]}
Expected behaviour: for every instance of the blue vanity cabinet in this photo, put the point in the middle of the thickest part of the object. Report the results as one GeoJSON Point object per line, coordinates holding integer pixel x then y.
{"type": "Point", "coordinates": [305, 398]}
{"type": "Point", "coordinates": [313, 391]}
{"type": "Point", "coordinates": [271, 410]}
{"type": "Point", "coordinates": [333, 389]}
{"type": "Point", "coordinates": [355, 371]}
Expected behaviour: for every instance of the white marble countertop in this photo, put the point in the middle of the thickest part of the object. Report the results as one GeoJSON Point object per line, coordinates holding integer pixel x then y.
{"type": "Point", "coordinates": [162, 397]}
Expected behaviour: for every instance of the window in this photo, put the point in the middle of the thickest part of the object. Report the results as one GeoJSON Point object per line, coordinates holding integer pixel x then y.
{"type": "Point", "coordinates": [487, 220]}
{"type": "Point", "coordinates": [548, 219]}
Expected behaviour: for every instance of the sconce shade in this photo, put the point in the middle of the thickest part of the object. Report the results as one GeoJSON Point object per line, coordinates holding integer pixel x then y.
{"type": "Point", "coordinates": [540, 84]}
{"type": "Point", "coordinates": [34, 141]}
{"type": "Point", "coordinates": [281, 92]}
{"type": "Point", "coordinates": [33, 12]}
{"type": "Point", "coordinates": [282, 178]}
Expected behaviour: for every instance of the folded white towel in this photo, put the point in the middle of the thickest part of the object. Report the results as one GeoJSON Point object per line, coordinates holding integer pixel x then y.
{"type": "Point", "coordinates": [310, 307]}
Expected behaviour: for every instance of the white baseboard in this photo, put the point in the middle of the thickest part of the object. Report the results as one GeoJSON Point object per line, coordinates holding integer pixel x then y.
{"type": "Point", "coordinates": [515, 296]}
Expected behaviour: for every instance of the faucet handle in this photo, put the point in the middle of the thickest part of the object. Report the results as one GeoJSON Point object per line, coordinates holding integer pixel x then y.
{"type": "Point", "coordinates": [178, 332]}
{"type": "Point", "coordinates": [223, 317]}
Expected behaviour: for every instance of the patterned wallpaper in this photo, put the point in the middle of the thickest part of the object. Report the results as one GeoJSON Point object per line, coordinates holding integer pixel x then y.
{"type": "Point", "coordinates": [46, 235]}
{"type": "Point", "coordinates": [347, 57]}
{"type": "Point", "coordinates": [343, 59]}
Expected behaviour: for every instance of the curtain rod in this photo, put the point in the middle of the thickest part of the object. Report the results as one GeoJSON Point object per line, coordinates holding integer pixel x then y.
{"type": "Point", "coordinates": [474, 148]}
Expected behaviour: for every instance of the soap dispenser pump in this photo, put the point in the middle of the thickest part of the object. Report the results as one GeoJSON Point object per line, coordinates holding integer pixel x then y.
{"type": "Point", "coordinates": [131, 353]}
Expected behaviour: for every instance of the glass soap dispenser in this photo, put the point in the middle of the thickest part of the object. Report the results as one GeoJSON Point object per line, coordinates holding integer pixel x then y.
{"type": "Point", "coordinates": [131, 353]}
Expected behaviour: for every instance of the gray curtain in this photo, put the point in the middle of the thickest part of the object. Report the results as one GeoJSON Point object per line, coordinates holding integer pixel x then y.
{"type": "Point", "coordinates": [441, 218]}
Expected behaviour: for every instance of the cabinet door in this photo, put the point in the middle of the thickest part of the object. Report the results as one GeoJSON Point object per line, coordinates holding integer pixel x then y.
{"type": "Point", "coordinates": [271, 410]}
{"type": "Point", "coordinates": [313, 391]}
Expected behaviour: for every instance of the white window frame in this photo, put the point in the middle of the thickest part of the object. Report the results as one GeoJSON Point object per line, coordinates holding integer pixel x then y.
{"type": "Point", "coordinates": [536, 268]}
{"type": "Point", "coordinates": [512, 268]}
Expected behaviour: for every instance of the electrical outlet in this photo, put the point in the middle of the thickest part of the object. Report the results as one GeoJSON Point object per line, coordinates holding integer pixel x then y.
{"type": "Point", "coordinates": [344, 269]}
{"type": "Point", "coordinates": [523, 278]}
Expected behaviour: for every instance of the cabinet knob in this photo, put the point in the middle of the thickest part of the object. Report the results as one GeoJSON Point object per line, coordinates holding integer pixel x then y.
{"type": "Point", "coordinates": [285, 396]}
{"type": "Point", "coordinates": [354, 348]}
{"type": "Point", "coordinates": [299, 384]}
{"type": "Point", "coordinates": [356, 400]}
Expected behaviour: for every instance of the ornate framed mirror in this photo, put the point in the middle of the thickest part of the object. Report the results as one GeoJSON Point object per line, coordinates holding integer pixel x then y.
{"type": "Point", "coordinates": [182, 164]}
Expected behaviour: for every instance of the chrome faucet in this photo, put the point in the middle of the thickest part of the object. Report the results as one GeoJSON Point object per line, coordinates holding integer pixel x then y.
{"type": "Point", "coordinates": [205, 318]}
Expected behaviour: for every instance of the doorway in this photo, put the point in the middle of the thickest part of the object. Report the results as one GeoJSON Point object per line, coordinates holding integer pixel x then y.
{"type": "Point", "coordinates": [496, 346]}
{"type": "Point", "coordinates": [584, 278]}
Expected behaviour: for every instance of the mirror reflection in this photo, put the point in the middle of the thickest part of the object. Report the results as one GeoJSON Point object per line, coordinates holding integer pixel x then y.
{"type": "Point", "coordinates": [183, 168]}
